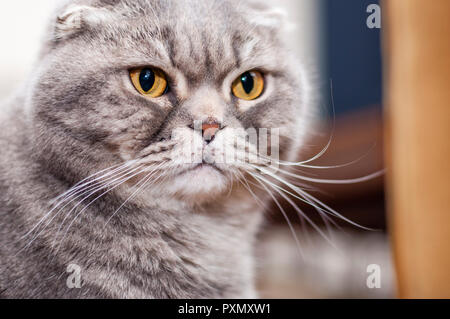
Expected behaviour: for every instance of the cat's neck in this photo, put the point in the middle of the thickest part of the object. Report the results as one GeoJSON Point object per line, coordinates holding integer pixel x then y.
{"type": "Point", "coordinates": [182, 253]}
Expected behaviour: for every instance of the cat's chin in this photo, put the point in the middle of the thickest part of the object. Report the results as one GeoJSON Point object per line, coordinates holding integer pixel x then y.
{"type": "Point", "coordinates": [200, 183]}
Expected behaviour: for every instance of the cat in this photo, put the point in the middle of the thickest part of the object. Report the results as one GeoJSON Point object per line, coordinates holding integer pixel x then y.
{"type": "Point", "coordinates": [97, 197]}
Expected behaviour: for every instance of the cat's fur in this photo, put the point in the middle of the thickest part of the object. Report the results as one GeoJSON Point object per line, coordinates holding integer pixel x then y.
{"type": "Point", "coordinates": [188, 236]}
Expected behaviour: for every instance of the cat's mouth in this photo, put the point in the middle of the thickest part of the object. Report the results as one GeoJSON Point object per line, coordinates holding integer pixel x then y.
{"type": "Point", "coordinates": [202, 167]}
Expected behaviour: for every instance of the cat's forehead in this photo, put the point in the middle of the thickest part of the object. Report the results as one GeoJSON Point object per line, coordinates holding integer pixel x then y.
{"type": "Point", "coordinates": [204, 38]}
{"type": "Point", "coordinates": [201, 39]}
{"type": "Point", "coordinates": [208, 49]}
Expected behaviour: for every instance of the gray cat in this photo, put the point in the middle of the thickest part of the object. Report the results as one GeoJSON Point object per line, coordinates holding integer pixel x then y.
{"type": "Point", "coordinates": [98, 198]}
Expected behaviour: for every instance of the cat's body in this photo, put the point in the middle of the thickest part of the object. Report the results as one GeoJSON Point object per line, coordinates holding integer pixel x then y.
{"type": "Point", "coordinates": [187, 236]}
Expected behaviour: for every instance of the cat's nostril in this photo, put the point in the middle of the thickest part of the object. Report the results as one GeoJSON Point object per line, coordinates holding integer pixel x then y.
{"type": "Point", "coordinates": [209, 131]}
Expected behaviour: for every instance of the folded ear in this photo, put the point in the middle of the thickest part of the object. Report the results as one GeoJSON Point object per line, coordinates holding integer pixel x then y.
{"type": "Point", "coordinates": [77, 18]}
{"type": "Point", "coordinates": [268, 16]}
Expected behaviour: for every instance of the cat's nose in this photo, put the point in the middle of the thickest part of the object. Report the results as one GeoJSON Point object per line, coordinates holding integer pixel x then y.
{"type": "Point", "coordinates": [209, 131]}
{"type": "Point", "coordinates": [208, 128]}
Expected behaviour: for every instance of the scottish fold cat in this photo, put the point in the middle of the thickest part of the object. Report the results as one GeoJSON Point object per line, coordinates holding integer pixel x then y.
{"type": "Point", "coordinates": [99, 197]}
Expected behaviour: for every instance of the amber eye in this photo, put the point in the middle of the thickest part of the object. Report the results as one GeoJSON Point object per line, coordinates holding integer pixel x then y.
{"type": "Point", "coordinates": [149, 81]}
{"type": "Point", "coordinates": [249, 86]}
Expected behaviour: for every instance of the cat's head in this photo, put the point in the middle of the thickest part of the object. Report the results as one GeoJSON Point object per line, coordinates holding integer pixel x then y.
{"type": "Point", "coordinates": [168, 86]}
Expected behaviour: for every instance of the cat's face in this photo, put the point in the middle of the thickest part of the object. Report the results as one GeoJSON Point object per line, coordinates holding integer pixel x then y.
{"type": "Point", "coordinates": [171, 84]}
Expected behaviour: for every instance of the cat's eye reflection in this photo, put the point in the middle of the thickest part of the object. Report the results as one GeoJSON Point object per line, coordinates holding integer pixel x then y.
{"type": "Point", "coordinates": [248, 86]}
{"type": "Point", "coordinates": [149, 81]}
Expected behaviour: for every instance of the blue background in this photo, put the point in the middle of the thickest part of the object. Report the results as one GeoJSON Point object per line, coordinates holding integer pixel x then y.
{"type": "Point", "coordinates": [353, 55]}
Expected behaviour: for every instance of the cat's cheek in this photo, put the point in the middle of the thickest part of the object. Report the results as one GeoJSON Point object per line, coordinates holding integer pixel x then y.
{"type": "Point", "coordinates": [125, 146]}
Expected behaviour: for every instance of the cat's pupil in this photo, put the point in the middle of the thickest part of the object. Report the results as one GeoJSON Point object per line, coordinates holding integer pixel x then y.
{"type": "Point", "coordinates": [247, 82]}
{"type": "Point", "coordinates": [147, 79]}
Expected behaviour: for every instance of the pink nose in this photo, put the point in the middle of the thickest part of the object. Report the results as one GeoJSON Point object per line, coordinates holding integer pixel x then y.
{"type": "Point", "coordinates": [209, 131]}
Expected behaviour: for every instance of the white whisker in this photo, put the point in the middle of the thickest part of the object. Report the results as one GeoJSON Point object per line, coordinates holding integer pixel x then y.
{"type": "Point", "coordinates": [88, 180]}
{"type": "Point", "coordinates": [335, 182]}
{"type": "Point", "coordinates": [98, 187]}
{"type": "Point", "coordinates": [140, 187]}
{"type": "Point", "coordinates": [297, 209]}
{"type": "Point", "coordinates": [77, 194]}
{"type": "Point", "coordinates": [300, 192]}
{"type": "Point", "coordinates": [247, 186]}
{"type": "Point", "coordinates": [88, 205]}
{"type": "Point", "coordinates": [80, 195]}
{"type": "Point", "coordinates": [291, 227]}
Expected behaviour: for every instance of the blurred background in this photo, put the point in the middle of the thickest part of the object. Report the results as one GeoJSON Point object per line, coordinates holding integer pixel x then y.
{"type": "Point", "coordinates": [335, 44]}
{"type": "Point", "coordinates": [343, 54]}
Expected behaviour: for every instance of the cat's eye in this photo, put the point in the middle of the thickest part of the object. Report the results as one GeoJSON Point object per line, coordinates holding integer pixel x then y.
{"type": "Point", "coordinates": [151, 82]}
{"type": "Point", "coordinates": [249, 86]}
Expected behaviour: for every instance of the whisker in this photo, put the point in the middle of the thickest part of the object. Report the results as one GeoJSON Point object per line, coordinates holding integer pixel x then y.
{"type": "Point", "coordinates": [83, 191]}
{"type": "Point", "coordinates": [330, 140]}
{"type": "Point", "coordinates": [331, 181]}
{"type": "Point", "coordinates": [232, 177]}
{"type": "Point", "coordinates": [327, 146]}
{"type": "Point", "coordinates": [247, 186]}
{"type": "Point", "coordinates": [300, 192]}
{"type": "Point", "coordinates": [291, 227]}
{"type": "Point", "coordinates": [302, 221]}
{"type": "Point", "coordinates": [80, 195]}
{"type": "Point", "coordinates": [141, 184]}
{"type": "Point", "coordinates": [299, 164]}
{"type": "Point", "coordinates": [99, 186]}
{"type": "Point", "coordinates": [334, 212]}
{"type": "Point", "coordinates": [339, 182]}
{"type": "Point", "coordinates": [88, 205]}
{"type": "Point", "coordinates": [297, 209]}
{"type": "Point", "coordinates": [88, 180]}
